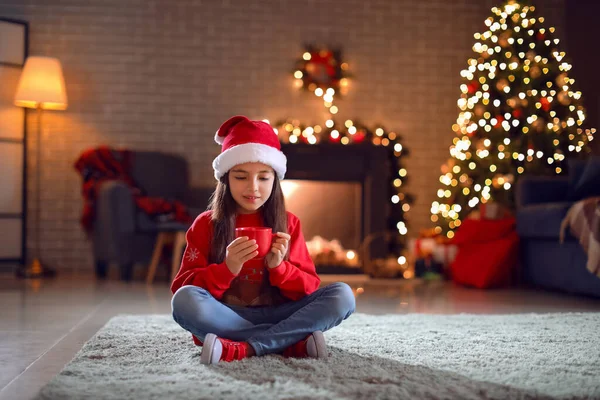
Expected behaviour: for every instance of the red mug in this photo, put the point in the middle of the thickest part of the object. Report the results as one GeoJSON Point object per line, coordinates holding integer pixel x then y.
{"type": "Point", "coordinates": [263, 237]}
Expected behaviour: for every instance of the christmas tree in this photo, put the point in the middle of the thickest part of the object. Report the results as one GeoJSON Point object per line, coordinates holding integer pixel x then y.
{"type": "Point", "coordinates": [519, 114]}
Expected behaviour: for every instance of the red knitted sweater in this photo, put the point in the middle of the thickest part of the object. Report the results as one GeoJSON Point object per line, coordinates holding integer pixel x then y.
{"type": "Point", "coordinates": [256, 284]}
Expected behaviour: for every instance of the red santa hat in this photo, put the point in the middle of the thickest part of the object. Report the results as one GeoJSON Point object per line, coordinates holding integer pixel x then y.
{"type": "Point", "coordinates": [242, 141]}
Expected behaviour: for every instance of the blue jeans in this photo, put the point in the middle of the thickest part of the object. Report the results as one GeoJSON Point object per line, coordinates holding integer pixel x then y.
{"type": "Point", "coordinates": [268, 329]}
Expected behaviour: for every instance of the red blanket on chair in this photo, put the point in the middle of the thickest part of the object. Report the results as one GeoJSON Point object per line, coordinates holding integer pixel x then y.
{"type": "Point", "coordinates": [105, 164]}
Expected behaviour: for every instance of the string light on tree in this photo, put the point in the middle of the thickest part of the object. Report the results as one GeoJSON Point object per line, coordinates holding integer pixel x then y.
{"type": "Point", "coordinates": [519, 113]}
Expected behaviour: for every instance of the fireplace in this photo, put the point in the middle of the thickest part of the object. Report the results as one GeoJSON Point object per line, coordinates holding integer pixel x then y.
{"type": "Point", "coordinates": [331, 217]}
{"type": "Point", "coordinates": [327, 209]}
{"type": "Point", "coordinates": [339, 192]}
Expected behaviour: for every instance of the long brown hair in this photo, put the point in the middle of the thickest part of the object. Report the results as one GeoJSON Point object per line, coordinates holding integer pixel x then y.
{"type": "Point", "coordinates": [224, 211]}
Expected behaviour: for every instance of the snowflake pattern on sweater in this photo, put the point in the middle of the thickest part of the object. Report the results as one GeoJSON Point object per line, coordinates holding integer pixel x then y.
{"type": "Point", "coordinates": [192, 254]}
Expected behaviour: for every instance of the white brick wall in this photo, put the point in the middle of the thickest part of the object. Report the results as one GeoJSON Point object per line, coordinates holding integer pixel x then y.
{"type": "Point", "coordinates": [163, 75]}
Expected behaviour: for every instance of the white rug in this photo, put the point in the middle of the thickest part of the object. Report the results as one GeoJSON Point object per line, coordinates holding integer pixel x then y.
{"type": "Point", "coordinates": [371, 357]}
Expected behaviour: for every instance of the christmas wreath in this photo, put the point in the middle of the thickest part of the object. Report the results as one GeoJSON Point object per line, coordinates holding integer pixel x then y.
{"type": "Point", "coordinates": [321, 68]}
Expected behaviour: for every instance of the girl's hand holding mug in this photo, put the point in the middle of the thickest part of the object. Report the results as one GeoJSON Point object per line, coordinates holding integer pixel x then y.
{"type": "Point", "coordinates": [271, 247]}
{"type": "Point", "coordinates": [279, 248]}
{"type": "Point", "coordinates": [239, 251]}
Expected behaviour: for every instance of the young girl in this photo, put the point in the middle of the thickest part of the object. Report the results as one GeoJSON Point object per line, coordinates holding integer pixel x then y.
{"type": "Point", "coordinates": [235, 305]}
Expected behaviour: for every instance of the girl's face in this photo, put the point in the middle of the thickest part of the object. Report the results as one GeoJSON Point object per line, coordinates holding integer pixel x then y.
{"type": "Point", "coordinates": [251, 185]}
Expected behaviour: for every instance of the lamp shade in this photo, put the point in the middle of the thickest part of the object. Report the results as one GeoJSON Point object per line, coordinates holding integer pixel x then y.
{"type": "Point", "coordinates": [42, 85]}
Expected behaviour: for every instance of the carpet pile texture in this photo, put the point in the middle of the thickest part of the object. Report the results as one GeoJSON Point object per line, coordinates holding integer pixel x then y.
{"type": "Point", "coordinates": [462, 356]}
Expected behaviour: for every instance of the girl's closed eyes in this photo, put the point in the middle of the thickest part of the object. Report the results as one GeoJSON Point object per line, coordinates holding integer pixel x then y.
{"type": "Point", "coordinates": [239, 178]}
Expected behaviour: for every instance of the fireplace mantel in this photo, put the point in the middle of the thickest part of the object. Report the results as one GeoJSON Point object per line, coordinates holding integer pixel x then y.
{"type": "Point", "coordinates": [366, 164]}
{"type": "Point", "coordinates": [331, 162]}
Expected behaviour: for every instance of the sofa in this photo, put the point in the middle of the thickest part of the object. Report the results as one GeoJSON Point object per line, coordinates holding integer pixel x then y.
{"type": "Point", "coordinates": [122, 234]}
{"type": "Point", "coordinates": [542, 204]}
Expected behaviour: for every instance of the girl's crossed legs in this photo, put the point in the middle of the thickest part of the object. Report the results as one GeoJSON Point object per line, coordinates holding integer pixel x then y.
{"type": "Point", "coordinates": [268, 329]}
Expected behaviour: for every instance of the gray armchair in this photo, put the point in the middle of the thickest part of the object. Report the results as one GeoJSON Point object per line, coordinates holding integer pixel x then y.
{"type": "Point", "coordinates": [124, 235]}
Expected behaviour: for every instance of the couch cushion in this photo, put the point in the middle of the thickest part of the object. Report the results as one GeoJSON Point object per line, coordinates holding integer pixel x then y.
{"type": "Point", "coordinates": [160, 175]}
{"type": "Point", "coordinates": [576, 167]}
{"type": "Point", "coordinates": [588, 184]}
{"type": "Point", "coordinates": [541, 220]}
{"type": "Point", "coordinates": [146, 224]}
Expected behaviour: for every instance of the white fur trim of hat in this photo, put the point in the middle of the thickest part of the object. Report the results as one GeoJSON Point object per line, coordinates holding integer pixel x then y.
{"type": "Point", "coordinates": [250, 152]}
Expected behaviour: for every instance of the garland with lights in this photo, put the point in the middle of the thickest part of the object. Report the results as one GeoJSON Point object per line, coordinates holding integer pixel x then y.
{"type": "Point", "coordinates": [519, 114]}
{"type": "Point", "coordinates": [323, 72]}
{"type": "Point", "coordinates": [355, 133]}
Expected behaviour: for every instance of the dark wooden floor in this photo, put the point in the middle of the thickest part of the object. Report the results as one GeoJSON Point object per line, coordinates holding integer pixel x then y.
{"type": "Point", "coordinates": [43, 325]}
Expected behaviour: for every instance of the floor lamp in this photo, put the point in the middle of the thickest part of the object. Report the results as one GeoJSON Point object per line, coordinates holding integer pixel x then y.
{"type": "Point", "coordinates": [41, 86]}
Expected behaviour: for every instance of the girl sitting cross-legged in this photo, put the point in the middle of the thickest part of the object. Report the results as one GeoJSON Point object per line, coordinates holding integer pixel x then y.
{"type": "Point", "coordinates": [234, 303]}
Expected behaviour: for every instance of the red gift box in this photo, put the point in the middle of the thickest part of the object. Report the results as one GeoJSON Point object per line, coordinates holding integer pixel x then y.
{"type": "Point", "coordinates": [488, 252]}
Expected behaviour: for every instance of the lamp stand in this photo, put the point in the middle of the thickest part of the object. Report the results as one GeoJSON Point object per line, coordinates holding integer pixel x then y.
{"type": "Point", "coordinates": [37, 269]}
